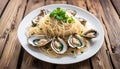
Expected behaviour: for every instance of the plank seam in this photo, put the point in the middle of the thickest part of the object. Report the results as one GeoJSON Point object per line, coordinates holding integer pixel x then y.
{"type": "Point", "coordinates": [86, 5]}
{"type": "Point", "coordinates": [91, 65]}
{"type": "Point", "coordinates": [4, 8]}
{"type": "Point", "coordinates": [107, 51]}
{"type": "Point", "coordinates": [115, 8]}
{"type": "Point", "coordinates": [110, 59]}
{"type": "Point", "coordinates": [7, 37]}
{"type": "Point", "coordinates": [20, 58]}
{"type": "Point", "coordinates": [108, 36]}
{"type": "Point", "coordinates": [22, 50]}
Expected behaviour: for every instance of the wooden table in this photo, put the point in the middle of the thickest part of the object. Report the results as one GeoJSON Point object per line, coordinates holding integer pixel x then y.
{"type": "Point", "coordinates": [13, 56]}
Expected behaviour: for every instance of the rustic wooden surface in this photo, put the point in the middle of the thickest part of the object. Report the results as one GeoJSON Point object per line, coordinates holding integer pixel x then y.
{"type": "Point", "coordinates": [13, 56]}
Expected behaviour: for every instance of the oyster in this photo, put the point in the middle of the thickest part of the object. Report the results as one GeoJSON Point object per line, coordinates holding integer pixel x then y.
{"type": "Point", "coordinates": [35, 21]}
{"type": "Point", "coordinates": [82, 21]}
{"type": "Point", "coordinates": [90, 34]}
{"type": "Point", "coordinates": [73, 12]}
{"type": "Point", "coordinates": [58, 45]}
{"type": "Point", "coordinates": [43, 12]}
{"type": "Point", "coordinates": [76, 41]}
{"type": "Point", "coordinates": [38, 40]}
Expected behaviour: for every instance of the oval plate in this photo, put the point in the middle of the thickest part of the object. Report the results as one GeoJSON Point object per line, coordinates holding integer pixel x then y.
{"type": "Point", "coordinates": [95, 45]}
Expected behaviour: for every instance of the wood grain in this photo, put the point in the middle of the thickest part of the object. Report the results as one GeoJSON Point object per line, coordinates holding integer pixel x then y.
{"type": "Point", "coordinates": [9, 57]}
{"type": "Point", "coordinates": [116, 4]}
{"type": "Point", "coordinates": [30, 62]}
{"type": "Point", "coordinates": [81, 65]}
{"type": "Point", "coordinates": [3, 5]}
{"type": "Point", "coordinates": [112, 23]}
{"type": "Point", "coordinates": [55, 2]}
{"type": "Point", "coordinates": [79, 3]}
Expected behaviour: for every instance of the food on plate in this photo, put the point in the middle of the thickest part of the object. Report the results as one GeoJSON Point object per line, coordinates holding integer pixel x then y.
{"type": "Point", "coordinates": [59, 33]}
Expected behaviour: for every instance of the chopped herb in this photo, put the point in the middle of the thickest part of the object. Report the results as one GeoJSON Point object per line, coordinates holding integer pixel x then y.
{"type": "Point", "coordinates": [77, 44]}
{"type": "Point", "coordinates": [60, 47]}
{"type": "Point", "coordinates": [72, 51]}
{"type": "Point", "coordinates": [70, 20]}
{"type": "Point", "coordinates": [59, 14]}
{"type": "Point", "coordinates": [81, 33]}
{"type": "Point", "coordinates": [81, 51]}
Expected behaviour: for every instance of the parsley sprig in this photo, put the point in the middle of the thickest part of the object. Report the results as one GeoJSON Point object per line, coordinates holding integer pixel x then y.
{"type": "Point", "coordinates": [59, 14]}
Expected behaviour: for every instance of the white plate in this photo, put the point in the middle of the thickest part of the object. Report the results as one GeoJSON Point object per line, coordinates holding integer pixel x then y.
{"type": "Point", "coordinates": [95, 45]}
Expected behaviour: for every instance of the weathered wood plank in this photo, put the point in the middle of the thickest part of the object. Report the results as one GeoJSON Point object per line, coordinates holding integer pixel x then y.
{"type": "Point", "coordinates": [8, 34]}
{"type": "Point", "coordinates": [116, 4]}
{"type": "Point", "coordinates": [80, 3]}
{"type": "Point", "coordinates": [29, 62]}
{"type": "Point", "coordinates": [6, 20]}
{"type": "Point", "coordinates": [102, 59]}
{"type": "Point", "coordinates": [3, 5]}
{"type": "Point", "coordinates": [80, 65]}
{"type": "Point", "coordinates": [112, 23]}
{"type": "Point", "coordinates": [34, 4]}
{"type": "Point", "coordinates": [55, 2]}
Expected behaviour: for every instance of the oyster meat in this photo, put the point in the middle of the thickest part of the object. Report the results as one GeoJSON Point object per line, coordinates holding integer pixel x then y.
{"type": "Point", "coordinates": [35, 21]}
{"type": "Point", "coordinates": [38, 40]}
{"type": "Point", "coordinates": [58, 45]}
{"type": "Point", "coordinates": [90, 34]}
{"type": "Point", "coordinates": [76, 41]}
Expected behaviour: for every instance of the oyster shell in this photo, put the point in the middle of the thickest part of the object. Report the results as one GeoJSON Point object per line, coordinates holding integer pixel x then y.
{"type": "Point", "coordinates": [73, 12]}
{"type": "Point", "coordinates": [82, 21]}
{"type": "Point", "coordinates": [35, 21]}
{"type": "Point", "coordinates": [90, 34]}
{"type": "Point", "coordinates": [58, 45]}
{"type": "Point", "coordinates": [43, 12]}
{"type": "Point", "coordinates": [76, 41]}
{"type": "Point", "coordinates": [38, 40]}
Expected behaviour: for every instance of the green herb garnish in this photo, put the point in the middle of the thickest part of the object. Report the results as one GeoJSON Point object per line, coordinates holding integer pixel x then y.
{"type": "Point", "coordinates": [79, 44]}
{"type": "Point", "coordinates": [81, 51]}
{"type": "Point", "coordinates": [70, 20]}
{"type": "Point", "coordinates": [60, 48]}
{"type": "Point", "coordinates": [81, 33]}
{"type": "Point", "coordinates": [59, 14]}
